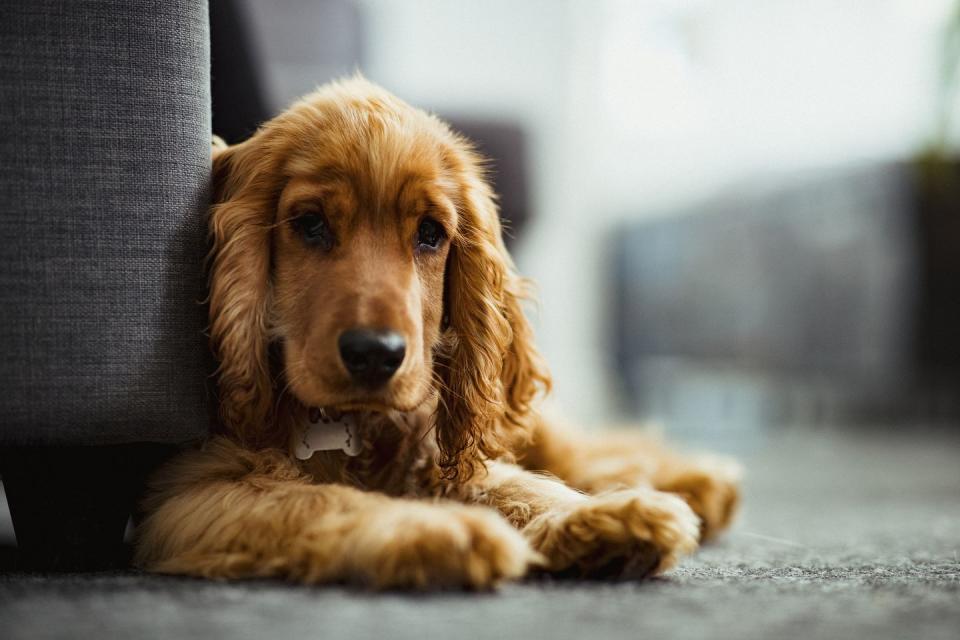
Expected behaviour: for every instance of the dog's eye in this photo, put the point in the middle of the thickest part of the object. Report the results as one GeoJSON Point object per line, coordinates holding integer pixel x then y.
{"type": "Point", "coordinates": [429, 234]}
{"type": "Point", "coordinates": [315, 230]}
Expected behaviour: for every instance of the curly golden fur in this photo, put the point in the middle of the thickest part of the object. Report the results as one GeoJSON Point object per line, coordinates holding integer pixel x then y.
{"type": "Point", "coordinates": [460, 481]}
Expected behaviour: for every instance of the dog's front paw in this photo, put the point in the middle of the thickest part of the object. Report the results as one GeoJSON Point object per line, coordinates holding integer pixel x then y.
{"type": "Point", "coordinates": [623, 534]}
{"type": "Point", "coordinates": [710, 485]}
{"type": "Point", "coordinates": [443, 546]}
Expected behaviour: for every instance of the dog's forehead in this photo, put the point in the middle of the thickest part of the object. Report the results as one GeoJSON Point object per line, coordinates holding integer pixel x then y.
{"type": "Point", "coordinates": [381, 164]}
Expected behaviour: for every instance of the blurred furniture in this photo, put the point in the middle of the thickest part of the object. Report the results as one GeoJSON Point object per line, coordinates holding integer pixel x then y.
{"type": "Point", "coordinates": [266, 55]}
{"type": "Point", "coordinates": [104, 163]}
{"type": "Point", "coordinates": [506, 147]}
{"type": "Point", "coordinates": [937, 199]}
{"type": "Point", "coordinates": [817, 299]}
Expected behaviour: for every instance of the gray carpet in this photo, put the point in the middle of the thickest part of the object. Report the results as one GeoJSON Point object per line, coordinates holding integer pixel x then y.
{"type": "Point", "coordinates": [841, 537]}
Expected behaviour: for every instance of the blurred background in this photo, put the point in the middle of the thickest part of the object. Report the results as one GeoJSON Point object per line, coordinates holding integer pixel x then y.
{"type": "Point", "coordinates": [741, 215]}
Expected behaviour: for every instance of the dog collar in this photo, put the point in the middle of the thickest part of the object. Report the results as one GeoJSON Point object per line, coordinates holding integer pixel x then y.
{"type": "Point", "coordinates": [324, 432]}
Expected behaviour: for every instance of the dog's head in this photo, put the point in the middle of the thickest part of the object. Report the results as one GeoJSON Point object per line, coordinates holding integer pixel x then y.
{"type": "Point", "coordinates": [358, 265]}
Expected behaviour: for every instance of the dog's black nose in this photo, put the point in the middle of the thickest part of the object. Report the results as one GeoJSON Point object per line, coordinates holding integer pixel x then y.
{"type": "Point", "coordinates": [371, 356]}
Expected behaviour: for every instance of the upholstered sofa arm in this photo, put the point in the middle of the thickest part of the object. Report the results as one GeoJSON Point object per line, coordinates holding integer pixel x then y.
{"type": "Point", "coordinates": [104, 163]}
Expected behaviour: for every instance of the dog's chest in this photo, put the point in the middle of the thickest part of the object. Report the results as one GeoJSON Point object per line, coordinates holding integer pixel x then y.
{"type": "Point", "coordinates": [390, 454]}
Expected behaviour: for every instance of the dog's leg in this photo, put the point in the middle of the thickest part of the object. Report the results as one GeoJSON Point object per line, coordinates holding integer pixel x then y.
{"type": "Point", "coordinates": [225, 512]}
{"type": "Point", "coordinates": [627, 533]}
{"type": "Point", "coordinates": [601, 462]}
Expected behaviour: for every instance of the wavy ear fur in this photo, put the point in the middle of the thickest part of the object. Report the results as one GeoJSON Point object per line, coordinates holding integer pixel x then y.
{"type": "Point", "coordinates": [491, 372]}
{"type": "Point", "coordinates": [239, 223]}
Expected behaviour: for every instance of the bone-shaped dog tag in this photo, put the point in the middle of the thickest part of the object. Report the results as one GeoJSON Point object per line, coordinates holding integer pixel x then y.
{"type": "Point", "coordinates": [324, 433]}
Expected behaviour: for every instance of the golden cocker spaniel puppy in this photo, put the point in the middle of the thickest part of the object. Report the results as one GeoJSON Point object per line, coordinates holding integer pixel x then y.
{"type": "Point", "coordinates": [378, 383]}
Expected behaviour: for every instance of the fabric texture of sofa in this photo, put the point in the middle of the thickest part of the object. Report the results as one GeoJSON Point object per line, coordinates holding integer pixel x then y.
{"type": "Point", "coordinates": [104, 165]}
{"type": "Point", "coordinates": [105, 157]}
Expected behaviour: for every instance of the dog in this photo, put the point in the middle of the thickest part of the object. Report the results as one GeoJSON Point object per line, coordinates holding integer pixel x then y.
{"type": "Point", "coordinates": [379, 389]}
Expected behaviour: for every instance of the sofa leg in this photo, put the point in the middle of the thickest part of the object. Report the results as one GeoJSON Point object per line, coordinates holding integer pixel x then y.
{"type": "Point", "coordinates": [70, 505]}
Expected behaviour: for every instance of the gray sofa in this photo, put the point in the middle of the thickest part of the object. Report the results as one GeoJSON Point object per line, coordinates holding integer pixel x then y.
{"type": "Point", "coordinates": [104, 163]}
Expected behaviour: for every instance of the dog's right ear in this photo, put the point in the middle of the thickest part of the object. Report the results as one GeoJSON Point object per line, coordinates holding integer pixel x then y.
{"type": "Point", "coordinates": [240, 220]}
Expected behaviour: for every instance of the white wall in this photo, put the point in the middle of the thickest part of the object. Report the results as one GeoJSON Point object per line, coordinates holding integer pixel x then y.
{"type": "Point", "coordinates": [635, 107]}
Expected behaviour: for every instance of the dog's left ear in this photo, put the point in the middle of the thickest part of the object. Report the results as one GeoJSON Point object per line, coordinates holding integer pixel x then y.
{"type": "Point", "coordinates": [491, 371]}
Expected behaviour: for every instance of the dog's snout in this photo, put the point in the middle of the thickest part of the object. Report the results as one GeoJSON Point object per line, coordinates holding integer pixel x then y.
{"type": "Point", "coordinates": [371, 356]}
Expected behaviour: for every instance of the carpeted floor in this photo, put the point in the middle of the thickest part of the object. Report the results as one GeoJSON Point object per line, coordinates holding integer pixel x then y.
{"type": "Point", "coordinates": [840, 537]}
